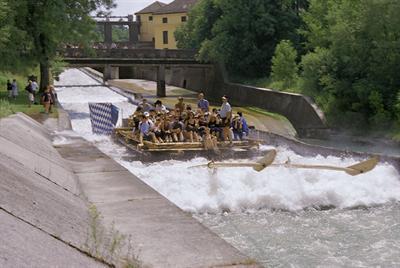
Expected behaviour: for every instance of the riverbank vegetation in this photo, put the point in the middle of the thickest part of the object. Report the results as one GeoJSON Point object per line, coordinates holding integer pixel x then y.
{"type": "Point", "coordinates": [343, 53]}
{"type": "Point", "coordinates": [31, 32]}
{"type": "Point", "coordinates": [10, 106]}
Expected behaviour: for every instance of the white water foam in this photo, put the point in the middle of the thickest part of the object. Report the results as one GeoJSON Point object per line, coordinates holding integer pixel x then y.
{"type": "Point", "coordinates": [75, 77]}
{"type": "Point", "coordinates": [201, 190]}
{"type": "Point", "coordinates": [237, 189]}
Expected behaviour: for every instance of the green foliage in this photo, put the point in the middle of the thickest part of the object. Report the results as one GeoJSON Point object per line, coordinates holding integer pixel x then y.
{"type": "Point", "coordinates": [4, 24]}
{"type": "Point", "coordinates": [20, 104]}
{"type": "Point", "coordinates": [34, 30]}
{"type": "Point", "coordinates": [242, 34]}
{"type": "Point", "coordinates": [57, 66]}
{"type": "Point", "coordinates": [397, 108]}
{"type": "Point", "coordinates": [120, 33]}
{"type": "Point", "coordinates": [108, 244]}
{"type": "Point", "coordinates": [284, 66]}
{"type": "Point", "coordinates": [5, 108]}
{"type": "Point", "coordinates": [202, 18]}
{"type": "Point", "coordinates": [352, 65]}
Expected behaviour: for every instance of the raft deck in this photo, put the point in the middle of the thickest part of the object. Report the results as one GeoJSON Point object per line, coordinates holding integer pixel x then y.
{"type": "Point", "coordinates": [126, 137]}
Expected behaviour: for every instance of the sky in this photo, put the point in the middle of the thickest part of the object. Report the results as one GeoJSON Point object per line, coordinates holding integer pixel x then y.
{"type": "Point", "coordinates": [126, 7]}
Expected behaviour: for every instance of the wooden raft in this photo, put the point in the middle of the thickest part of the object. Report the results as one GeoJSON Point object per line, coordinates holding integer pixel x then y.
{"type": "Point", "coordinates": [126, 136]}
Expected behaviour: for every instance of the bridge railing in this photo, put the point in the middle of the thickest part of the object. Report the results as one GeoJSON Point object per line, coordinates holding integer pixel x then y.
{"type": "Point", "coordinates": [129, 53]}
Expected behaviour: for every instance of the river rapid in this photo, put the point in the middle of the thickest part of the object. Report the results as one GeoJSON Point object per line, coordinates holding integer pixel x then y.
{"type": "Point", "coordinates": [279, 217]}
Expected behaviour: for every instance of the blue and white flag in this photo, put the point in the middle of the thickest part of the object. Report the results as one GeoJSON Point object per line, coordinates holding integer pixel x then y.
{"type": "Point", "coordinates": [104, 117]}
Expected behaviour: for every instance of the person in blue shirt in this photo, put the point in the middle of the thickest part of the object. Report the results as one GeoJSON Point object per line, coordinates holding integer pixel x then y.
{"type": "Point", "coordinates": [145, 130]}
{"type": "Point", "coordinates": [243, 121]}
{"type": "Point", "coordinates": [203, 103]}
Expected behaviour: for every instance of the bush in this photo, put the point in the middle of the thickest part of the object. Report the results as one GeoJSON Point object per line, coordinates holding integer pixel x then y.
{"type": "Point", "coordinates": [284, 66]}
{"type": "Point", "coordinates": [5, 108]}
{"type": "Point", "coordinates": [380, 118]}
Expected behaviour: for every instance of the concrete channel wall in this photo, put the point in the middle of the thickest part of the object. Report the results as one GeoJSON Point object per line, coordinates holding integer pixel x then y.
{"type": "Point", "coordinates": [302, 112]}
{"type": "Point", "coordinates": [44, 219]}
{"type": "Point", "coordinates": [45, 193]}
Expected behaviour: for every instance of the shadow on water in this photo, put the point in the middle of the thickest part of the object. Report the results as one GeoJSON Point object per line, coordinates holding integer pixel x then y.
{"type": "Point", "coordinates": [149, 157]}
{"type": "Point", "coordinates": [77, 115]}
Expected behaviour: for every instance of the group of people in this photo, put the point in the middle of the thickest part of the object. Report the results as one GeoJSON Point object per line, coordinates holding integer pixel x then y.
{"type": "Point", "coordinates": [12, 89]}
{"type": "Point", "coordinates": [47, 98]}
{"type": "Point", "coordinates": [183, 123]}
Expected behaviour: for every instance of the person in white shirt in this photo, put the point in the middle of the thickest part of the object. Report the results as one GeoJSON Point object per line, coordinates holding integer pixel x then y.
{"type": "Point", "coordinates": [14, 90]}
{"type": "Point", "coordinates": [226, 115]}
{"type": "Point", "coordinates": [35, 89]}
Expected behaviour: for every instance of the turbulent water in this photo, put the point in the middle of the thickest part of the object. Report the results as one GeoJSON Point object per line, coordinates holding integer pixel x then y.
{"type": "Point", "coordinates": [278, 216]}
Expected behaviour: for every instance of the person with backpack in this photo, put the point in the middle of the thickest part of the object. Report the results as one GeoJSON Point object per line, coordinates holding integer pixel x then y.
{"type": "Point", "coordinates": [35, 89]}
{"type": "Point", "coordinates": [46, 100]}
{"type": "Point", "coordinates": [31, 97]}
{"type": "Point", "coordinates": [14, 89]}
{"type": "Point", "coordinates": [9, 89]}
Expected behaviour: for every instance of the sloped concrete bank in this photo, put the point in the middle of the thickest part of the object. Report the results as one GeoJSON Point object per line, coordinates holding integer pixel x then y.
{"type": "Point", "coordinates": [45, 193]}
{"type": "Point", "coordinates": [44, 220]}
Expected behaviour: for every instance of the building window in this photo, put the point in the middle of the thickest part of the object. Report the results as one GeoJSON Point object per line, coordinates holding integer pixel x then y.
{"type": "Point", "coordinates": [165, 37]}
{"type": "Point", "coordinates": [183, 18]}
{"type": "Point", "coordinates": [150, 18]}
{"type": "Point", "coordinates": [164, 20]}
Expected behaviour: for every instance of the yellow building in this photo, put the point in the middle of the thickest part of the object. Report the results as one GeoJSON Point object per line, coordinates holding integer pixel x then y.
{"type": "Point", "coordinates": [146, 18]}
{"type": "Point", "coordinates": [159, 24]}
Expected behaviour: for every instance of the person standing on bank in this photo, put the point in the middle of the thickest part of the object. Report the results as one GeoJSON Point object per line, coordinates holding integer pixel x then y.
{"type": "Point", "coordinates": [53, 94]}
{"type": "Point", "coordinates": [31, 97]}
{"type": "Point", "coordinates": [203, 103]}
{"type": "Point", "coordinates": [226, 114]}
{"type": "Point", "coordinates": [46, 100]}
{"type": "Point", "coordinates": [14, 89]}
{"type": "Point", "coordinates": [9, 88]}
{"type": "Point", "coordinates": [35, 88]}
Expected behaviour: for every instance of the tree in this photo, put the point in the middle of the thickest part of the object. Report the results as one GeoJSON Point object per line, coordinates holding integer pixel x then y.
{"type": "Point", "coordinates": [42, 26]}
{"type": "Point", "coordinates": [202, 18]}
{"type": "Point", "coordinates": [241, 33]}
{"type": "Point", "coordinates": [4, 25]}
{"type": "Point", "coordinates": [284, 66]}
{"type": "Point", "coordinates": [353, 59]}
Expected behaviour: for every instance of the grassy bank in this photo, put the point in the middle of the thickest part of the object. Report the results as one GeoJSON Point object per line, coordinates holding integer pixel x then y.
{"type": "Point", "coordinates": [263, 82]}
{"type": "Point", "coordinates": [10, 106]}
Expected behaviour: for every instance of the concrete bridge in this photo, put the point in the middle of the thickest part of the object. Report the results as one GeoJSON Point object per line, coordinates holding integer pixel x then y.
{"type": "Point", "coordinates": [180, 68]}
{"type": "Point", "coordinates": [111, 60]}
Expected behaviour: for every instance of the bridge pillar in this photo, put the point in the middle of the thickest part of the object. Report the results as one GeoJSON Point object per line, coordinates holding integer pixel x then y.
{"type": "Point", "coordinates": [161, 89]}
{"type": "Point", "coordinates": [110, 72]}
{"type": "Point", "coordinates": [133, 32]}
{"type": "Point", "coordinates": [107, 33]}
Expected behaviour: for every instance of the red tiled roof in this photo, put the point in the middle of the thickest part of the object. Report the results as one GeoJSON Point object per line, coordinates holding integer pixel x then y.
{"type": "Point", "coordinates": [151, 8]}
{"type": "Point", "coordinates": [177, 6]}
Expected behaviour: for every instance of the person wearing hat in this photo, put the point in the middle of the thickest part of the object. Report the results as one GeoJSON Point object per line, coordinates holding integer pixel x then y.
{"type": "Point", "coordinates": [180, 106]}
{"type": "Point", "coordinates": [226, 114]}
{"type": "Point", "coordinates": [237, 128]}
